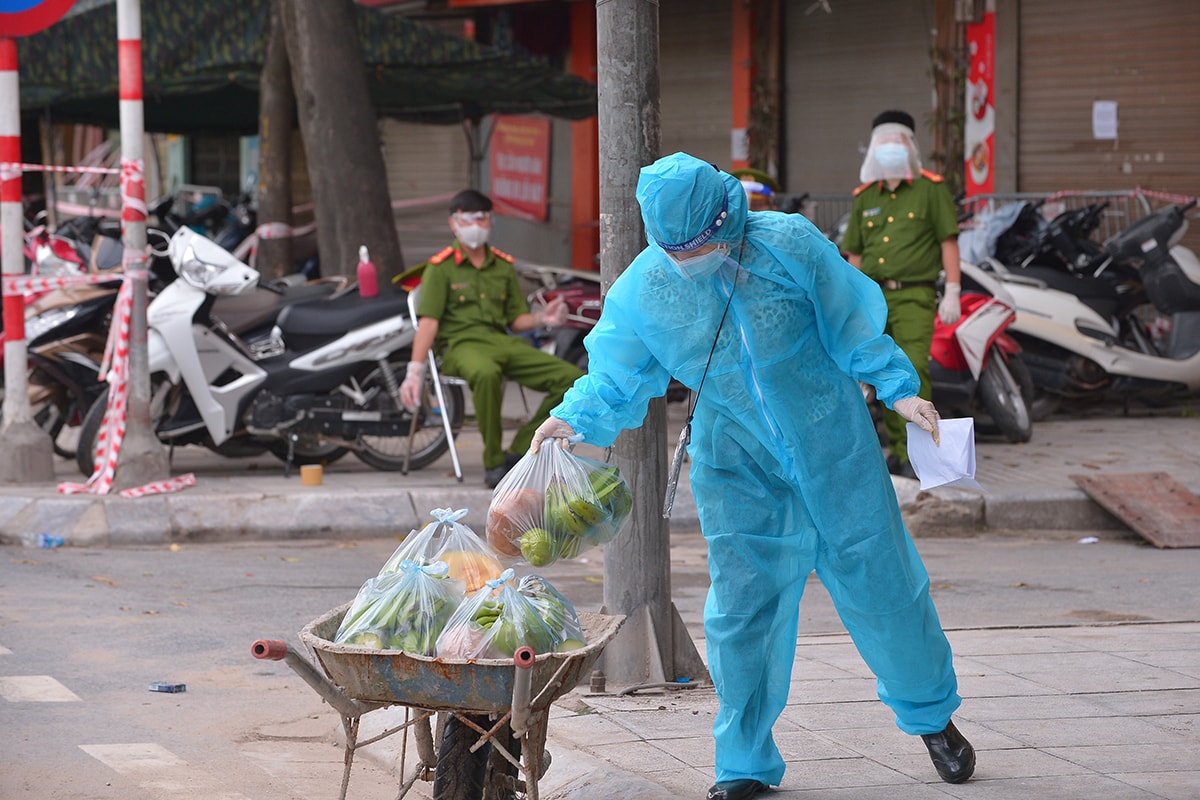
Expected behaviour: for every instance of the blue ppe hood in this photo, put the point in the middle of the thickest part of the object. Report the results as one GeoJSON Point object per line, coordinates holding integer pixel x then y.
{"type": "Point", "coordinates": [687, 202]}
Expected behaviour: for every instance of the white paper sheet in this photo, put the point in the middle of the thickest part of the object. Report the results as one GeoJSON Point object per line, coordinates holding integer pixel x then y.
{"type": "Point", "coordinates": [952, 463]}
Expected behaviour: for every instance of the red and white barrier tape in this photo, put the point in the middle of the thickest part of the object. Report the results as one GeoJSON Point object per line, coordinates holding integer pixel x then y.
{"type": "Point", "coordinates": [1136, 192]}
{"type": "Point", "coordinates": [28, 284]}
{"type": "Point", "coordinates": [13, 170]}
{"type": "Point", "coordinates": [162, 487]}
{"type": "Point", "coordinates": [133, 190]}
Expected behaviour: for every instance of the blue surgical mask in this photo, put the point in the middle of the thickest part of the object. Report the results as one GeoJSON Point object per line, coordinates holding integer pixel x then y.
{"type": "Point", "coordinates": [892, 158]}
{"type": "Point", "coordinates": [701, 266]}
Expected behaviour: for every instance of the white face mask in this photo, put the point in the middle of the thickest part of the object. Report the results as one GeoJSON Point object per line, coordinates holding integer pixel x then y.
{"type": "Point", "coordinates": [892, 158]}
{"type": "Point", "coordinates": [701, 266]}
{"type": "Point", "coordinates": [472, 236]}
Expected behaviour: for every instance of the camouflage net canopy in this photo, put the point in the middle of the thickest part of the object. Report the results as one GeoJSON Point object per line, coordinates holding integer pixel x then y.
{"type": "Point", "coordinates": [201, 64]}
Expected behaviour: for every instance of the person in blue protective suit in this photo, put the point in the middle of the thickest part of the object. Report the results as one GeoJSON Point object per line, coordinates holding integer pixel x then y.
{"type": "Point", "coordinates": [758, 314]}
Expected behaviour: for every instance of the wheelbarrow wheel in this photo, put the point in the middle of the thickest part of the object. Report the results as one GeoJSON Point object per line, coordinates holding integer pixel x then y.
{"type": "Point", "coordinates": [482, 775]}
{"type": "Point", "coordinates": [502, 781]}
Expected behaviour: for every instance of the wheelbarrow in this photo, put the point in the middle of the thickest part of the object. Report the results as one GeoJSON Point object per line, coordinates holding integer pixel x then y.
{"type": "Point", "coordinates": [492, 713]}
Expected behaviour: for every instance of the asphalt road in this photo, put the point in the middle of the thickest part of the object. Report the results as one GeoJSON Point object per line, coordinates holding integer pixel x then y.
{"type": "Point", "coordinates": [83, 633]}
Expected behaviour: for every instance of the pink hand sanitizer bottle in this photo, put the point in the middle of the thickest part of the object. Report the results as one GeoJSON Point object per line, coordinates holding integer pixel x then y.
{"type": "Point", "coordinates": [368, 280]}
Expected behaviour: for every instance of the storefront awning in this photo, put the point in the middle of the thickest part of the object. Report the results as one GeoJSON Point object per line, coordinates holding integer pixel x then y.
{"type": "Point", "coordinates": [201, 64]}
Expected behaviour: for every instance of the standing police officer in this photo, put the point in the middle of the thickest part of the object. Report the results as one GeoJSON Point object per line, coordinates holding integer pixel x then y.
{"type": "Point", "coordinates": [470, 302]}
{"type": "Point", "coordinates": [903, 230]}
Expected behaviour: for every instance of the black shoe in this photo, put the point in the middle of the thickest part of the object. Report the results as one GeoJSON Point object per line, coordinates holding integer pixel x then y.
{"type": "Point", "coordinates": [735, 790]}
{"type": "Point", "coordinates": [952, 755]}
{"type": "Point", "coordinates": [492, 476]}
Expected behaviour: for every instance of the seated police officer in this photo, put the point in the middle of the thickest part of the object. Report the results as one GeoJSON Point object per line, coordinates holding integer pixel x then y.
{"type": "Point", "coordinates": [471, 303]}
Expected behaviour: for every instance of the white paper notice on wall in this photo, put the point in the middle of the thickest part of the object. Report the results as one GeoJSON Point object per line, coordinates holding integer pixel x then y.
{"type": "Point", "coordinates": [739, 144]}
{"type": "Point", "coordinates": [1104, 119]}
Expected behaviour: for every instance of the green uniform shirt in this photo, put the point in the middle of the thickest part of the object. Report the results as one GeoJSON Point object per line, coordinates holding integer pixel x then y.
{"type": "Point", "coordinates": [470, 302]}
{"type": "Point", "coordinates": [900, 233]}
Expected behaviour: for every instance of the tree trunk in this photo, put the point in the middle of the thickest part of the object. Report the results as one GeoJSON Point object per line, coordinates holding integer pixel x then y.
{"type": "Point", "coordinates": [341, 137]}
{"type": "Point", "coordinates": [277, 114]}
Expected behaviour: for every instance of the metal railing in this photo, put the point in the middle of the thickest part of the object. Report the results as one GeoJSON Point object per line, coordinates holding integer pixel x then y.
{"type": "Point", "coordinates": [1124, 207]}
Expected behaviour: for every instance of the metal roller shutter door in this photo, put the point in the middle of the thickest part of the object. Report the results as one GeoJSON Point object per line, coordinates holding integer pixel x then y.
{"type": "Point", "coordinates": [840, 70]}
{"type": "Point", "coordinates": [423, 161]}
{"type": "Point", "coordinates": [695, 83]}
{"type": "Point", "coordinates": [1146, 57]}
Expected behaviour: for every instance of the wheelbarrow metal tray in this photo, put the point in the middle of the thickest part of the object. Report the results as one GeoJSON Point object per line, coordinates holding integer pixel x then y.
{"type": "Point", "coordinates": [477, 686]}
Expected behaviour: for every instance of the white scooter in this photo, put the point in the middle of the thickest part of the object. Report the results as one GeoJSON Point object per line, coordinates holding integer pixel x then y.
{"type": "Point", "coordinates": [301, 372]}
{"type": "Point", "coordinates": [1129, 328]}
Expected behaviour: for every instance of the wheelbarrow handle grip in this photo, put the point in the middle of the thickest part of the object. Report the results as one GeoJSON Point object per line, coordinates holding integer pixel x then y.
{"type": "Point", "coordinates": [523, 660]}
{"type": "Point", "coordinates": [276, 650]}
{"type": "Point", "coordinates": [523, 657]}
{"type": "Point", "coordinates": [270, 649]}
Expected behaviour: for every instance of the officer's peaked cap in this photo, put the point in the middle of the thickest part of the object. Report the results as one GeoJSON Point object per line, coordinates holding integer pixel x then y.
{"type": "Point", "coordinates": [898, 117]}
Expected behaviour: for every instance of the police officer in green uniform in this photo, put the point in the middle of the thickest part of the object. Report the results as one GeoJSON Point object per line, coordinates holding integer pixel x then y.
{"type": "Point", "coordinates": [470, 304]}
{"type": "Point", "coordinates": [903, 231]}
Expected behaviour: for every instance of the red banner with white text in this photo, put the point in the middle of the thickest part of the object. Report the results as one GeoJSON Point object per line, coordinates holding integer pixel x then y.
{"type": "Point", "coordinates": [979, 134]}
{"type": "Point", "coordinates": [520, 166]}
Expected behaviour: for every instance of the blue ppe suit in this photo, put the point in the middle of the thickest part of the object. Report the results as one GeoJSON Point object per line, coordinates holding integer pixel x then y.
{"type": "Point", "coordinates": [787, 470]}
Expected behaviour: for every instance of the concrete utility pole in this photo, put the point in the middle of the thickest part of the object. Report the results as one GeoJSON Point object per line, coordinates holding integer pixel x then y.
{"type": "Point", "coordinates": [28, 454]}
{"type": "Point", "coordinates": [653, 646]}
{"type": "Point", "coordinates": [142, 458]}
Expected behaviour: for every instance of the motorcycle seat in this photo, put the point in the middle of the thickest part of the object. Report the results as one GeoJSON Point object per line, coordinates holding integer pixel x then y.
{"type": "Point", "coordinates": [340, 314]}
{"type": "Point", "coordinates": [241, 313]}
{"type": "Point", "coordinates": [1099, 294]}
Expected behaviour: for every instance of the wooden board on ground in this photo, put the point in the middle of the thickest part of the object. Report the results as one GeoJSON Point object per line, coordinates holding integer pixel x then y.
{"type": "Point", "coordinates": [1154, 504]}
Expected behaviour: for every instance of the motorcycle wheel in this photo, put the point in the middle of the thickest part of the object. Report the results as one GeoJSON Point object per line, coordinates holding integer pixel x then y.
{"type": "Point", "coordinates": [1005, 387]}
{"type": "Point", "coordinates": [429, 441]}
{"type": "Point", "coordinates": [89, 432]}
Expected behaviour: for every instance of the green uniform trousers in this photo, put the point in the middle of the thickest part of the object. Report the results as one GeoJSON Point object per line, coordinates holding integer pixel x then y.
{"type": "Point", "coordinates": [910, 318]}
{"type": "Point", "coordinates": [484, 362]}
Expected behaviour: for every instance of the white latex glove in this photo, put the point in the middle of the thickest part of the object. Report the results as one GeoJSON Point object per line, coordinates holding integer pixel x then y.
{"type": "Point", "coordinates": [552, 314]}
{"type": "Point", "coordinates": [410, 390]}
{"type": "Point", "coordinates": [949, 310]}
{"type": "Point", "coordinates": [921, 412]}
{"type": "Point", "coordinates": [552, 428]}
{"type": "Point", "coordinates": [868, 391]}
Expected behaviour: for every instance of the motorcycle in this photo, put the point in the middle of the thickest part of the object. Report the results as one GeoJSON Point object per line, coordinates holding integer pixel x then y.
{"type": "Point", "coordinates": [1121, 319]}
{"type": "Point", "coordinates": [580, 290]}
{"type": "Point", "coordinates": [66, 328]}
{"type": "Point", "coordinates": [976, 365]}
{"type": "Point", "coordinates": [305, 374]}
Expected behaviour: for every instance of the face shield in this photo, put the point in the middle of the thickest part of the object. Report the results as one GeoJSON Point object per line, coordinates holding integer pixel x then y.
{"type": "Point", "coordinates": [759, 195]}
{"type": "Point", "coordinates": [471, 227]}
{"type": "Point", "coordinates": [892, 154]}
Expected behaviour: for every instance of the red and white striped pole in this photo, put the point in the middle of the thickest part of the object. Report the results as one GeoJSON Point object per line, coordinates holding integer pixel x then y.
{"type": "Point", "coordinates": [142, 458]}
{"type": "Point", "coordinates": [28, 455]}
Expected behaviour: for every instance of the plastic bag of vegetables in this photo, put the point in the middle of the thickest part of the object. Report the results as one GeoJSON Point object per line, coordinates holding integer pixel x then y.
{"type": "Point", "coordinates": [470, 558]}
{"type": "Point", "coordinates": [556, 505]}
{"type": "Point", "coordinates": [402, 610]}
{"type": "Point", "coordinates": [556, 610]}
{"type": "Point", "coordinates": [504, 615]}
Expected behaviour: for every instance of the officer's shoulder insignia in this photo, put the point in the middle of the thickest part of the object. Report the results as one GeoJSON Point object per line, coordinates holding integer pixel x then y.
{"type": "Point", "coordinates": [933, 176]}
{"type": "Point", "coordinates": [441, 255]}
{"type": "Point", "coordinates": [863, 188]}
{"type": "Point", "coordinates": [501, 254]}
